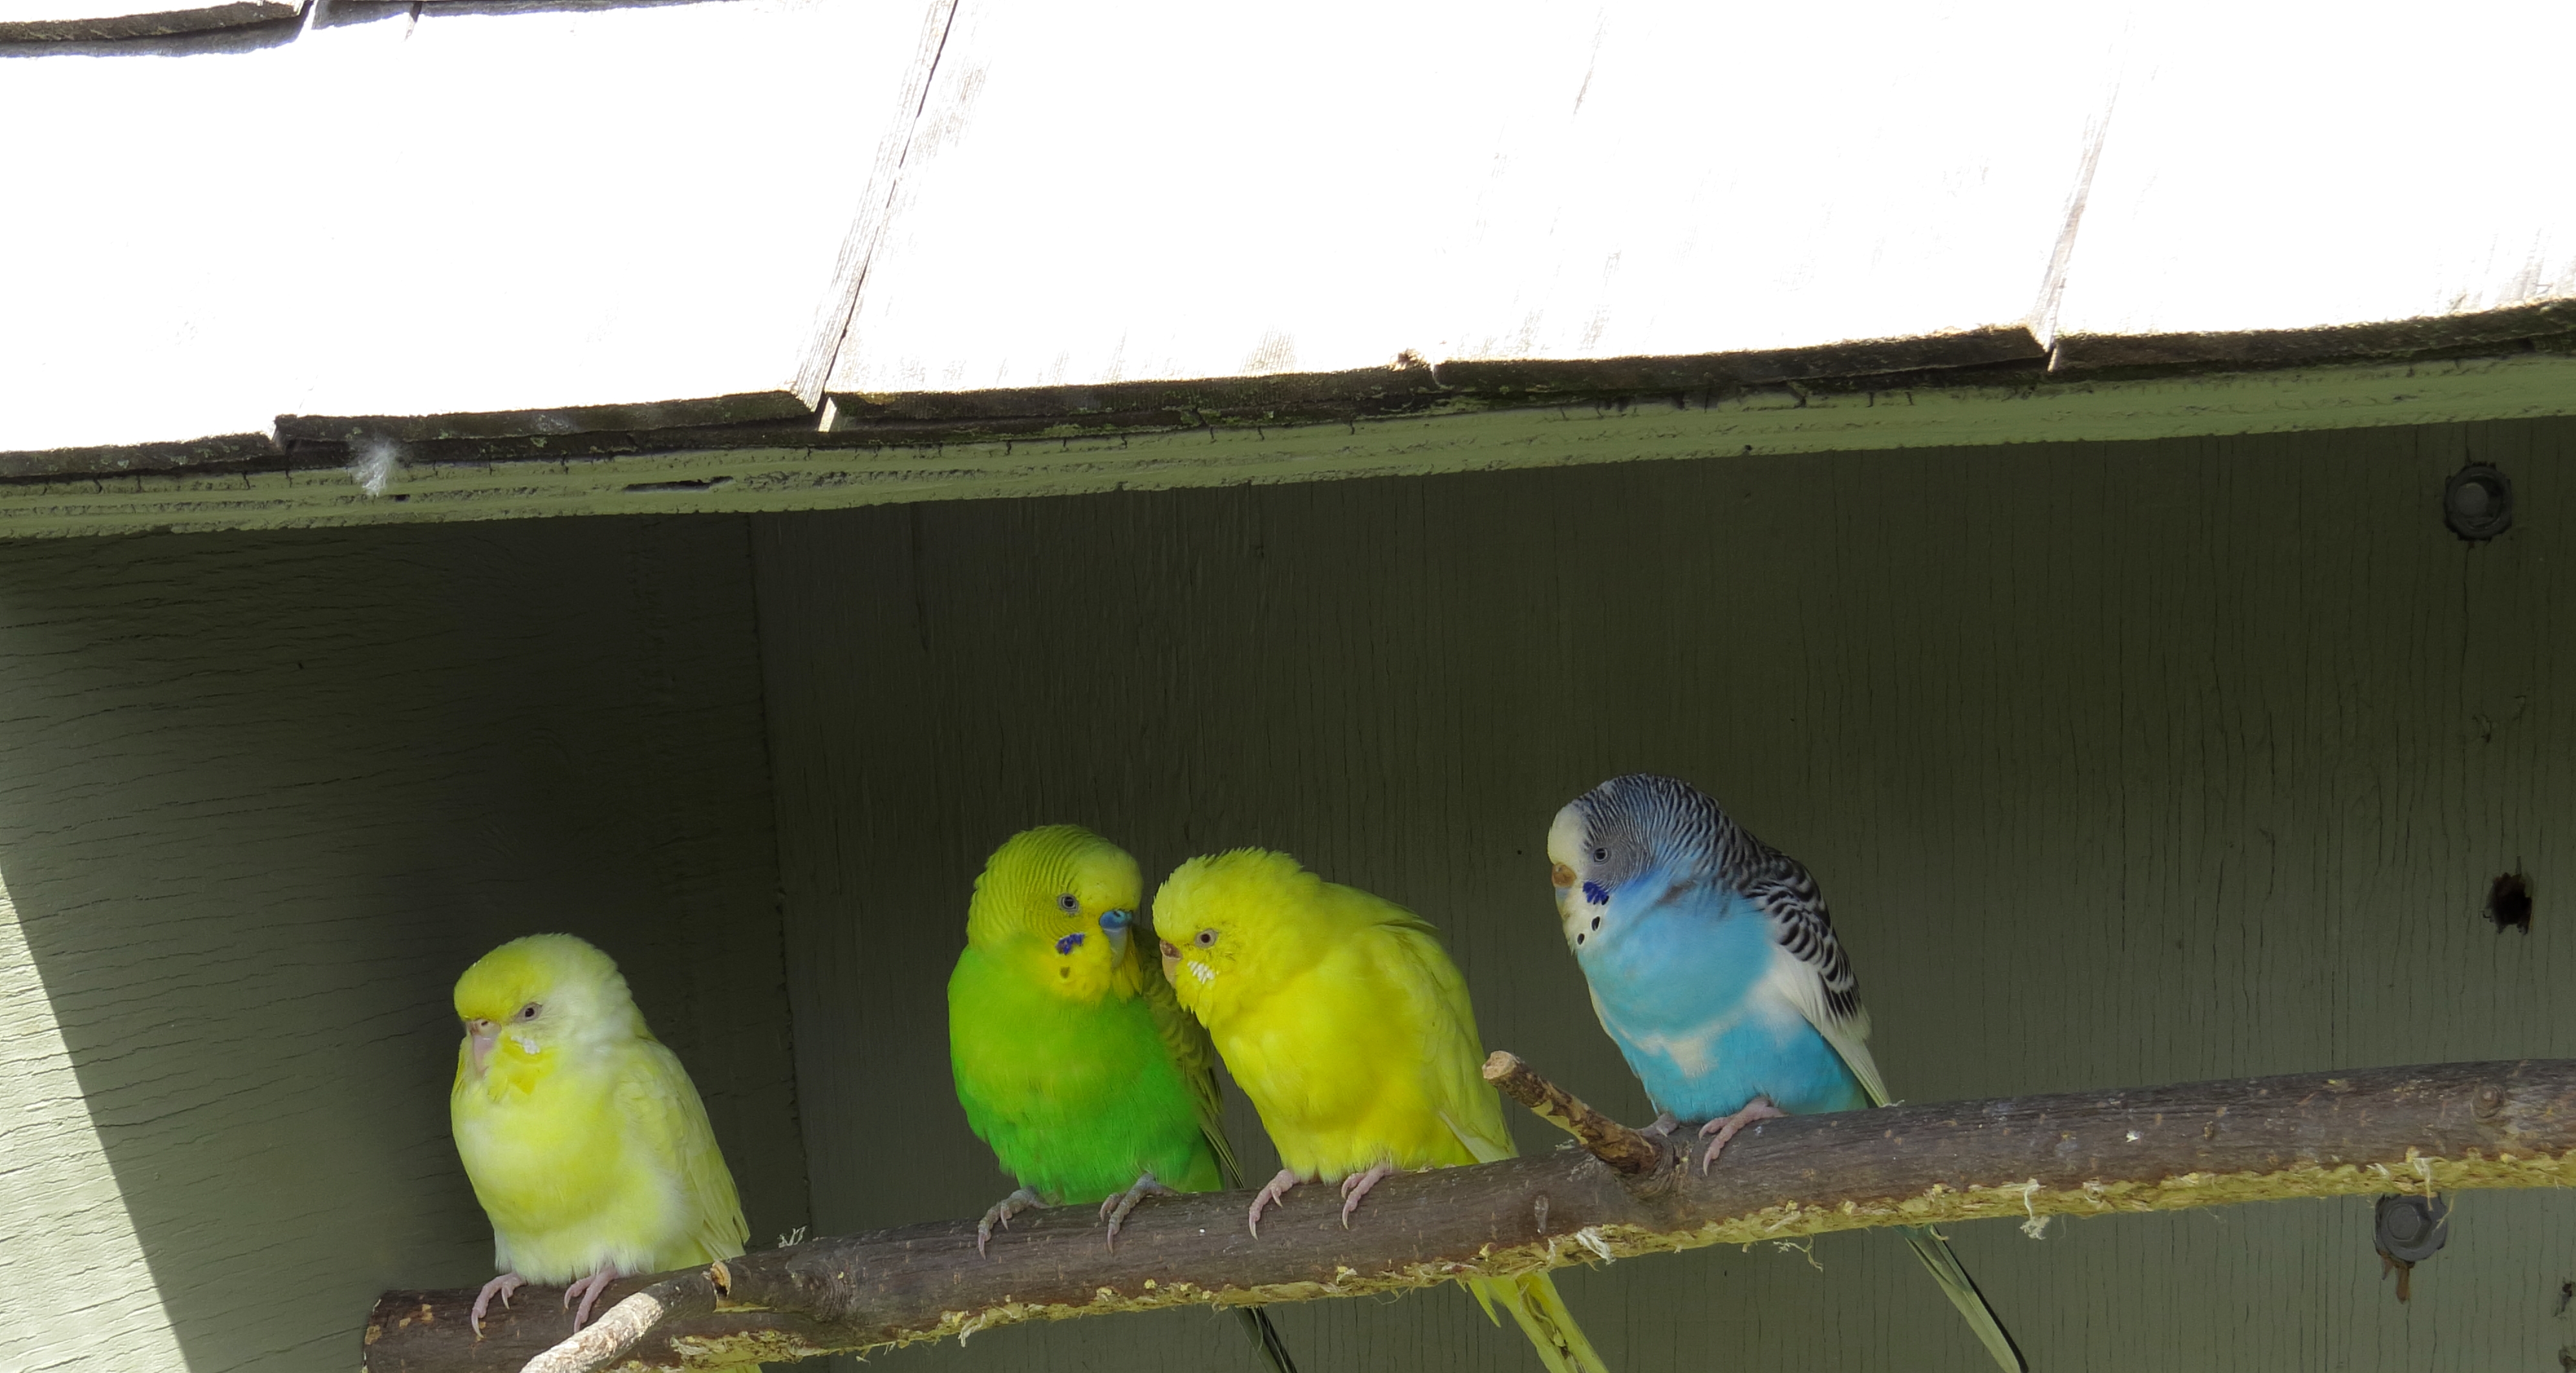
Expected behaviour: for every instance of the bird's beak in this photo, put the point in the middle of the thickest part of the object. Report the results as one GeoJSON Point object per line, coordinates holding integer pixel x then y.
{"type": "Point", "coordinates": [1171, 963]}
{"type": "Point", "coordinates": [1560, 875]}
{"type": "Point", "coordinates": [1114, 924]}
{"type": "Point", "coordinates": [484, 1037]}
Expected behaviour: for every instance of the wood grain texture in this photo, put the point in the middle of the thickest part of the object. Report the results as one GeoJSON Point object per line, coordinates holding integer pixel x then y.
{"type": "Point", "coordinates": [79, 1293]}
{"type": "Point", "coordinates": [80, 20]}
{"type": "Point", "coordinates": [2439, 1127]}
{"type": "Point", "coordinates": [263, 798]}
{"type": "Point", "coordinates": [2156, 761]}
{"type": "Point", "coordinates": [1961, 358]}
{"type": "Point", "coordinates": [1623, 1148]}
{"type": "Point", "coordinates": [2194, 224]}
{"type": "Point", "coordinates": [784, 95]}
{"type": "Point", "coordinates": [2466, 332]}
{"type": "Point", "coordinates": [1533, 186]}
{"type": "Point", "coordinates": [706, 472]}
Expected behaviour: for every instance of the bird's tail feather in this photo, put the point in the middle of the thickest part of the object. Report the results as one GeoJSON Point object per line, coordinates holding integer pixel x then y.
{"type": "Point", "coordinates": [1541, 1315]}
{"type": "Point", "coordinates": [1963, 1294]}
{"type": "Point", "coordinates": [1265, 1337]}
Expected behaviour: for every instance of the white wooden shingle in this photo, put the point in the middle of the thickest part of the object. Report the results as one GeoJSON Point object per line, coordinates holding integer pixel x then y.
{"type": "Point", "coordinates": [484, 221]}
{"type": "Point", "coordinates": [94, 20]}
{"type": "Point", "coordinates": [467, 212]}
{"type": "Point", "coordinates": [2295, 166]}
{"type": "Point", "coordinates": [1182, 190]}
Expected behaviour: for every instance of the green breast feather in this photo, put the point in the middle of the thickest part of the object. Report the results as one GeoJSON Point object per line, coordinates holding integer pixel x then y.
{"type": "Point", "coordinates": [1078, 1100]}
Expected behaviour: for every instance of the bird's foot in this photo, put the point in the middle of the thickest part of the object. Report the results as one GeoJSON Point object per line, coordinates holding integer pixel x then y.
{"type": "Point", "coordinates": [1724, 1128]}
{"type": "Point", "coordinates": [1115, 1209]}
{"type": "Point", "coordinates": [1357, 1185]}
{"type": "Point", "coordinates": [1663, 1125]}
{"type": "Point", "coordinates": [1003, 1210]}
{"type": "Point", "coordinates": [501, 1287]}
{"type": "Point", "coordinates": [589, 1288]}
{"type": "Point", "coordinates": [1270, 1195]}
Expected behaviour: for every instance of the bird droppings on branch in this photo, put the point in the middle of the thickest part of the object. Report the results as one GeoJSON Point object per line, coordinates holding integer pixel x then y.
{"type": "Point", "coordinates": [2417, 1130]}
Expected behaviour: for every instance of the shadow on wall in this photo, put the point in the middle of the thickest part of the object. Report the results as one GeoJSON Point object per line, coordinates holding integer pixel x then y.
{"type": "Point", "coordinates": [263, 797]}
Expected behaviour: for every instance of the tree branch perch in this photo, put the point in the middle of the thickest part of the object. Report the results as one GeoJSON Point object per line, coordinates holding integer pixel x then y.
{"type": "Point", "coordinates": [1628, 1152]}
{"type": "Point", "coordinates": [2438, 1128]}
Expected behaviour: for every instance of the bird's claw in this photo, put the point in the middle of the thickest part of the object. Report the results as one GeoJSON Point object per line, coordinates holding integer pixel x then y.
{"type": "Point", "coordinates": [1270, 1195]}
{"type": "Point", "coordinates": [1357, 1185]}
{"type": "Point", "coordinates": [1663, 1125]}
{"type": "Point", "coordinates": [1001, 1213]}
{"type": "Point", "coordinates": [589, 1288]}
{"type": "Point", "coordinates": [501, 1287]}
{"type": "Point", "coordinates": [1115, 1208]}
{"type": "Point", "coordinates": [1724, 1128]}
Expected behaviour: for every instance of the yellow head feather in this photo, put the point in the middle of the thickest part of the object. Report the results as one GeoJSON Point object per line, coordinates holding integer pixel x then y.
{"type": "Point", "coordinates": [1234, 925]}
{"type": "Point", "coordinates": [539, 993]}
{"type": "Point", "coordinates": [1038, 906]}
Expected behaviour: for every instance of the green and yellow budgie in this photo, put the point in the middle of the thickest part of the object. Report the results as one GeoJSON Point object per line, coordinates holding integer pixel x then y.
{"type": "Point", "coordinates": [1072, 1060]}
{"type": "Point", "coordinates": [1344, 1021]}
{"type": "Point", "coordinates": [583, 1137]}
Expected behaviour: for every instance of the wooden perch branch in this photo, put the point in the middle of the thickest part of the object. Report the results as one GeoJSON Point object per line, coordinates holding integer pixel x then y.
{"type": "Point", "coordinates": [1627, 1151]}
{"type": "Point", "coordinates": [2438, 1128]}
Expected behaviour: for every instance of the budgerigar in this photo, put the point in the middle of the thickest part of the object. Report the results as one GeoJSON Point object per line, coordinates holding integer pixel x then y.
{"type": "Point", "coordinates": [1071, 1058]}
{"type": "Point", "coordinates": [583, 1137]}
{"type": "Point", "coordinates": [1715, 968]}
{"type": "Point", "coordinates": [1349, 1028]}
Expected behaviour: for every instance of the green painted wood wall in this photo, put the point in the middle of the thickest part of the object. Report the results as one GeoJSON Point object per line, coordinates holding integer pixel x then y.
{"type": "Point", "coordinates": [2120, 763]}
{"type": "Point", "coordinates": [262, 798]}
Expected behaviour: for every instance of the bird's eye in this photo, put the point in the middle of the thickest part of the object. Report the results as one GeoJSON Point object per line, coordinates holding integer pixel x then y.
{"type": "Point", "coordinates": [1206, 937]}
{"type": "Point", "coordinates": [1068, 904]}
{"type": "Point", "coordinates": [1601, 855]}
{"type": "Point", "coordinates": [529, 1011]}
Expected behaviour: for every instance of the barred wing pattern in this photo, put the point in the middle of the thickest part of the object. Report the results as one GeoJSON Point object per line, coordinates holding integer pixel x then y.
{"type": "Point", "coordinates": [1810, 969]}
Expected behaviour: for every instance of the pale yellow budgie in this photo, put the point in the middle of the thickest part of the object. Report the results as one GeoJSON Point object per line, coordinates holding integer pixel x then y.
{"type": "Point", "coordinates": [1343, 1020]}
{"type": "Point", "coordinates": [583, 1137]}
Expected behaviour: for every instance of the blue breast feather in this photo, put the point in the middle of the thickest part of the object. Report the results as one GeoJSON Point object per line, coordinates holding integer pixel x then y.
{"type": "Point", "coordinates": [1677, 977]}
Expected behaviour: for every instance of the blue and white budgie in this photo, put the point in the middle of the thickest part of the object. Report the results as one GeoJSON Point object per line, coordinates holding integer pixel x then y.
{"type": "Point", "coordinates": [1715, 968]}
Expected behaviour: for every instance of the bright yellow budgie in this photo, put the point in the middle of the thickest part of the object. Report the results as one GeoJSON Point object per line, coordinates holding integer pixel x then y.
{"type": "Point", "coordinates": [1342, 1019]}
{"type": "Point", "coordinates": [583, 1137]}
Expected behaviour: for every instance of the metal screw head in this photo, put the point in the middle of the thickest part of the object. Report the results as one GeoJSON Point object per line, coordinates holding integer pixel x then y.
{"type": "Point", "coordinates": [2412, 1229]}
{"type": "Point", "coordinates": [2477, 502]}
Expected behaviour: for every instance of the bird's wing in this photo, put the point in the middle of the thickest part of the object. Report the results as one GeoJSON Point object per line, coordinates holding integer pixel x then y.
{"type": "Point", "coordinates": [1467, 1104]}
{"type": "Point", "coordinates": [663, 1104]}
{"type": "Point", "coordinates": [1186, 1040]}
{"type": "Point", "coordinates": [1808, 967]}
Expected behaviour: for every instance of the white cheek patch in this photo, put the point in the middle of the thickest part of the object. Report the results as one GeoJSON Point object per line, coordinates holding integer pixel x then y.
{"type": "Point", "coordinates": [1202, 972]}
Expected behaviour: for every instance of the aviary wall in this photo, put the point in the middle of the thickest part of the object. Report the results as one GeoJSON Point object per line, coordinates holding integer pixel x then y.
{"type": "Point", "coordinates": [262, 798]}
{"type": "Point", "coordinates": [2120, 764]}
